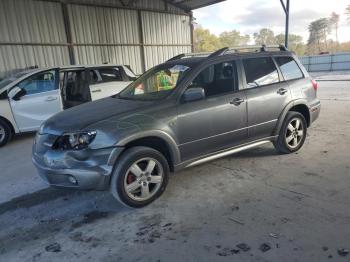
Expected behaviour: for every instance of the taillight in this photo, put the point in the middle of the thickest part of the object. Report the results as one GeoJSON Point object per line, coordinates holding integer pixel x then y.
{"type": "Point", "coordinates": [314, 84]}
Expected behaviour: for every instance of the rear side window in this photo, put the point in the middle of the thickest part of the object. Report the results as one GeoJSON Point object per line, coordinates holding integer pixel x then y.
{"type": "Point", "coordinates": [289, 68]}
{"type": "Point", "coordinates": [110, 74]}
{"type": "Point", "coordinates": [260, 71]}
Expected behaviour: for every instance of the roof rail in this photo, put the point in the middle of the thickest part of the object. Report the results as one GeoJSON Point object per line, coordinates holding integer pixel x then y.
{"type": "Point", "coordinates": [257, 48]}
{"type": "Point", "coordinates": [225, 50]}
{"type": "Point", "coordinates": [201, 54]}
{"type": "Point", "coordinates": [219, 52]}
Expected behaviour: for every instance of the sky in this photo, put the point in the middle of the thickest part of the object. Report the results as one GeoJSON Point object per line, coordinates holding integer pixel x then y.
{"type": "Point", "coordinates": [248, 16]}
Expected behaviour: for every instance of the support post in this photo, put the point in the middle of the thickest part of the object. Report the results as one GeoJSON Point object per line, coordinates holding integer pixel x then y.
{"type": "Point", "coordinates": [286, 12]}
{"type": "Point", "coordinates": [142, 44]}
{"type": "Point", "coordinates": [192, 31]}
{"type": "Point", "coordinates": [68, 33]}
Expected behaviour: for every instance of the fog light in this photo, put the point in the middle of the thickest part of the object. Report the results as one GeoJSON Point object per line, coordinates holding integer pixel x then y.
{"type": "Point", "coordinates": [73, 180]}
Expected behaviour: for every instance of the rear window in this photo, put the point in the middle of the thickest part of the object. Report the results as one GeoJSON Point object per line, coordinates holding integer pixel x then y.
{"type": "Point", "coordinates": [260, 71]}
{"type": "Point", "coordinates": [290, 69]}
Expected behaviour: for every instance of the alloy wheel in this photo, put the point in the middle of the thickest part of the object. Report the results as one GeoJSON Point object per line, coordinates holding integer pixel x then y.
{"type": "Point", "coordinates": [295, 133]}
{"type": "Point", "coordinates": [143, 179]}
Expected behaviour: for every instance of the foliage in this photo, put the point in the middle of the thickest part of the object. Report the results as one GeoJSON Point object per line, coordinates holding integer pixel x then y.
{"type": "Point", "coordinates": [264, 36]}
{"type": "Point", "coordinates": [318, 31]}
{"type": "Point", "coordinates": [233, 38]}
{"type": "Point", "coordinates": [204, 41]}
{"type": "Point", "coordinates": [334, 24]}
{"type": "Point", "coordinates": [347, 12]}
{"type": "Point", "coordinates": [295, 43]}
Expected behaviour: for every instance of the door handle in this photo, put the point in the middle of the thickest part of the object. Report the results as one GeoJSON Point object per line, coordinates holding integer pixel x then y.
{"type": "Point", "coordinates": [237, 101]}
{"type": "Point", "coordinates": [282, 91]}
{"type": "Point", "coordinates": [50, 98]}
{"type": "Point", "coordinates": [96, 90]}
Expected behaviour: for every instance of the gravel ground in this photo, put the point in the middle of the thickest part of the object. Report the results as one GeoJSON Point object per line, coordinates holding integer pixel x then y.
{"type": "Point", "coordinates": [252, 206]}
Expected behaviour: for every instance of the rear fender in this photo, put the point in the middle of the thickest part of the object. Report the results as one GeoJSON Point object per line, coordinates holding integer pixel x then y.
{"type": "Point", "coordinates": [284, 113]}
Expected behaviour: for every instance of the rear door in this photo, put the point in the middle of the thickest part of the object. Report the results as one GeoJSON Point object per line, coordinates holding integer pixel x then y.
{"type": "Point", "coordinates": [41, 100]}
{"type": "Point", "coordinates": [110, 81]}
{"type": "Point", "coordinates": [266, 94]}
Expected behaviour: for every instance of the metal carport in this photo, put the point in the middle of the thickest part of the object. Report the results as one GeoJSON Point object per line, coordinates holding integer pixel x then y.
{"type": "Point", "coordinates": [140, 33]}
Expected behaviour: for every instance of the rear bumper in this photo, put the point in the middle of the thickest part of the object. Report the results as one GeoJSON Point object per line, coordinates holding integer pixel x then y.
{"type": "Point", "coordinates": [83, 169]}
{"type": "Point", "coordinates": [315, 111]}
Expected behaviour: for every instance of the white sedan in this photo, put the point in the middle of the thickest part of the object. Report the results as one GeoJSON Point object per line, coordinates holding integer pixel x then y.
{"type": "Point", "coordinates": [30, 97]}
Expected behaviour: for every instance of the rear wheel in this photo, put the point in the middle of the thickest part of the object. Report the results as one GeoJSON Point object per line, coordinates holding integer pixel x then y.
{"type": "Point", "coordinates": [140, 176]}
{"type": "Point", "coordinates": [292, 134]}
{"type": "Point", "coordinates": [5, 133]}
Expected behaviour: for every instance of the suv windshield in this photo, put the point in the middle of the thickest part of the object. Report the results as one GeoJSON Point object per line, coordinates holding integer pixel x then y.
{"type": "Point", "coordinates": [156, 84]}
{"type": "Point", "coordinates": [12, 78]}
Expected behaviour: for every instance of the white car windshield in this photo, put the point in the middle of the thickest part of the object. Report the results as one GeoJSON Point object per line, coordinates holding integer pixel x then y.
{"type": "Point", "coordinates": [12, 78]}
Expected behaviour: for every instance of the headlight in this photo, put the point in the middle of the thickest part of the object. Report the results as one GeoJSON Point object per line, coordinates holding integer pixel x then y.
{"type": "Point", "coordinates": [76, 140]}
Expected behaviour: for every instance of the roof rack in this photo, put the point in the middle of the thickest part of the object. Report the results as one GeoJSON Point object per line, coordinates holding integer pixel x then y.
{"type": "Point", "coordinates": [226, 50]}
{"type": "Point", "coordinates": [257, 48]}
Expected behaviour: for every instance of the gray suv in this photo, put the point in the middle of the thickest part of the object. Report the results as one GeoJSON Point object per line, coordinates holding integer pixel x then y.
{"type": "Point", "coordinates": [189, 110]}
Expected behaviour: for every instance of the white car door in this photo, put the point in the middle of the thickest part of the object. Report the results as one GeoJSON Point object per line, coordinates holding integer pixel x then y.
{"type": "Point", "coordinates": [40, 100]}
{"type": "Point", "coordinates": [110, 82]}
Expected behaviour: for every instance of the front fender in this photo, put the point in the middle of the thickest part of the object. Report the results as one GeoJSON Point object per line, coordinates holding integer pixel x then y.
{"type": "Point", "coordinates": [174, 150]}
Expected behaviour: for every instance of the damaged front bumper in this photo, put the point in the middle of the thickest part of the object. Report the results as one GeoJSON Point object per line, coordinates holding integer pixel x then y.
{"type": "Point", "coordinates": [81, 169]}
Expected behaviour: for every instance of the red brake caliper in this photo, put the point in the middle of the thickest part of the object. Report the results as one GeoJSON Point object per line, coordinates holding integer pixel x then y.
{"type": "Point", "coordinates": [131, 178]}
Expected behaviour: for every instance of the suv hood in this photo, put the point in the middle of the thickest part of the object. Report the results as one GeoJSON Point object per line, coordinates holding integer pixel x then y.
{"type": "Point", "coordinates": [79, 117]}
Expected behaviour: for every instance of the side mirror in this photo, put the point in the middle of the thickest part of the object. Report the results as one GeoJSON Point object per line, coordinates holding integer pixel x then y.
{"type": "Point", "coordinates": [16, 93]}
{"type": "Point", "coordinates": [193, 94]}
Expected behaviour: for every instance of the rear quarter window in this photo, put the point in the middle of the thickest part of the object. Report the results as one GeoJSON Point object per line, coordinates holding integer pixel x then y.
{"type": "Point", "coordinates": [289, 68]}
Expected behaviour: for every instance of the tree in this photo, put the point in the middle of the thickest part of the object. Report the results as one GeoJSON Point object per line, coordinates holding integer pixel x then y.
{"type": "Point", "coordinates": [204, 41]}
{"type": "Point", "coordinates": [265, 36]}
{"type": "Point", "coordinates": [295, 43]}
{"type": "Point", "coordinates": [233, 38]}
{"type": "Point", "coordinates": [318, 31]}
{"type": "Point", "coordinates": [347, 12]}
{"type": "Point", "coordinates": [334, 23]}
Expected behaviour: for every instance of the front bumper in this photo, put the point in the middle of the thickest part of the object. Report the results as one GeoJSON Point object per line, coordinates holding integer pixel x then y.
{"type": "Point", "coordinates": [81, 169]}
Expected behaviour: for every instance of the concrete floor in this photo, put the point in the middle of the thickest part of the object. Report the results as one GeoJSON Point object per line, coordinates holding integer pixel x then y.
{"type": "Point", "coordinates": [297, 204]}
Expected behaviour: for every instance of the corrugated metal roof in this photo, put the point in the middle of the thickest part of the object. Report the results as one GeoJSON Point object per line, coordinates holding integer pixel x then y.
{"type": "Point", "coordinates": [189, 5]}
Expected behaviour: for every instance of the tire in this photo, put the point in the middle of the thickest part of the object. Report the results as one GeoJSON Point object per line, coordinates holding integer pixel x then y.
{"type": "Point", "coordinates": [5, 133]}
{"type": "Point", "coordinates": [292, 135]}
{"type": "Point", "coordinates": [129, 184]}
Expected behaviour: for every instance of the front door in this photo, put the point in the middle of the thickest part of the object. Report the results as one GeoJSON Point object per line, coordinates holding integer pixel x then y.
{"type": "Point", "coordinates": [219, 121]}
{"type": "Point", "coordinates": [40, 101]}
{"type": "Point", "coordinates": [267, 96]}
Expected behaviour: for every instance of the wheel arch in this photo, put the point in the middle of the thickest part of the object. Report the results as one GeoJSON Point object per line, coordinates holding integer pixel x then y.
{"type": "Point", "coordinates": [9, 123]}
{"type": "Point", "coordinates": [157, 140]}
{"type": "Point", "coordinates": [299, 106]}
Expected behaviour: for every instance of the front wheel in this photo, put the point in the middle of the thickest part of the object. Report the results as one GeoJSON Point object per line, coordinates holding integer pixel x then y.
{"type": "Point", "coordinates": [140, 176]}
{"type": "Point", "coordinates": [292, 134]}
{"type": "Point", "coordinates": [5, 133]}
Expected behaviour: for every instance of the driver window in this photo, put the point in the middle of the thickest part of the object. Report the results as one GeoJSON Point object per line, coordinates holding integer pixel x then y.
{"type": "Point", "coordinates": [217, 79]}
{"type": "Point", "coordinates": [39, 83]}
